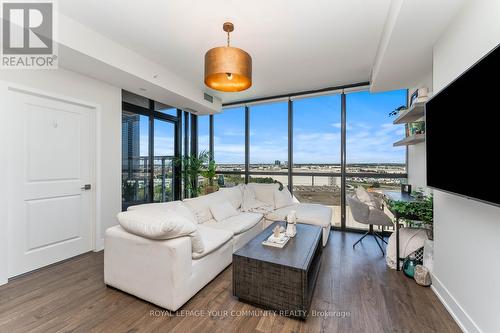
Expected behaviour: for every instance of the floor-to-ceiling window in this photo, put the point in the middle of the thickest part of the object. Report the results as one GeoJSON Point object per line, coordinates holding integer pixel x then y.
{"type": "Point", "coordinates": [371, 159]}
{"type": "Point", "coordinates": [316, 151]}
{"type": "Point", "coordinates": [163, 160]}
{"type": "Point", "coordinates": [315, 125]}
{"type": "Point", "coordinates": [203, 133]}
{"type": "Point", "coordinates": [150, 144]}
{"type": "Point", "coordinates": [229, 146]}
{"type": "Point", "coordinates": [135, 162]}
{"type": "Point", "coordinates": [269, 142]}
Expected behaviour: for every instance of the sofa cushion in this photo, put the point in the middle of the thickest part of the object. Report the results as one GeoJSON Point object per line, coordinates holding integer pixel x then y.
{"type": "Point", "coordinates": [306, 213]}
{"type": "Point", "coordinates": [177, 206]}
{"type": "Point", "coordinates": [237, 224]}
{"type": "Point", "coordinates": [213, 239]}
{"type": "Point", "coordinates": [250, 202]}
{"type": "Point", "coordinates": [223, 210]}
{"type": "Point", "coordinates": [282, 198]}
{"type": "Point", "coordinates": [162, 224]}
{"type": "Point", "coordinates": [200, 206]}
{"type": "Point", "coordinates": [233, 194]}
{"type": "Point", "coordinates": [264, 192]}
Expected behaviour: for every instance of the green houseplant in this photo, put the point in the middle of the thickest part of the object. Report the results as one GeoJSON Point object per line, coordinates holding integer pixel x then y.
{"type": "Point", "coordinates": [421, 210]}
{"type": "Point", "coordinates": [194, 166]}
{"type": "Point", "coordinates": [209, 173]}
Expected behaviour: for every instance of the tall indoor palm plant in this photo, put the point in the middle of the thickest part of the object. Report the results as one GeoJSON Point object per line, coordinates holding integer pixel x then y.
{"type": "Point", "coordinates": [194, 166]}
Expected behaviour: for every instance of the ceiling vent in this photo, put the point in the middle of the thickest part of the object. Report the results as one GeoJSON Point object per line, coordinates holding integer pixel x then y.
{"type": "Point", "coordinates": [208, 98]}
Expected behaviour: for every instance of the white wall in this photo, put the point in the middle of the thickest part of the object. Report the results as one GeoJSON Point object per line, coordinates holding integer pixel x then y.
{"type": "Point", "coordinates": [416, 153]}
{"type": "Point", "coordinates": [3, 204]}
{"type": "Point", "coordinates": [77, 86]}
{"type": "Point", "coordinates": [467, 233]}
{"type": "Point", "coordinates": [417, 166]}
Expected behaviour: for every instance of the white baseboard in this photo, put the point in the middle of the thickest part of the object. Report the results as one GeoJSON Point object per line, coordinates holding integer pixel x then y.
{"type": "Point", "coordinates": [3, 281]}
{"type": "Point", "coordinates": [457, 312]}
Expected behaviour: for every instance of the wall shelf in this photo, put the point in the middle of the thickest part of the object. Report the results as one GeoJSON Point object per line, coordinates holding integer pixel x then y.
{"type": "Point", "coordinates": [414, 113]}
{"type": "Point", "coordinates": [410, 140]}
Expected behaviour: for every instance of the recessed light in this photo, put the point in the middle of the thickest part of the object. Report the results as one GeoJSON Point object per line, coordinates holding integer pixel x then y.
{"type": "Point", "coordinates": [155, 76]}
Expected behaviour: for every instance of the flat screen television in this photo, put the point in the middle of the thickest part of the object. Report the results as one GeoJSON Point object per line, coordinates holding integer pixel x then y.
{"type": "Point", "coordinates": [463, 133]}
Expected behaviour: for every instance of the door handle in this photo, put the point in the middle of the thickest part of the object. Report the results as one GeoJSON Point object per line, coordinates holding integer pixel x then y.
{"type": "Point", "coordinates": [86, 187]}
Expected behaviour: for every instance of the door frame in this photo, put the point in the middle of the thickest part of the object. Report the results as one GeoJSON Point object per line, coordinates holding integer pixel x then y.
{"type": "Point", "coordinates": [97, 243]}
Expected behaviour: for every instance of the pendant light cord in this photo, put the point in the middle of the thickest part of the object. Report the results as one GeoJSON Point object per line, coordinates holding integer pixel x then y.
{"type": "Point", "coordinates": [228, 39]}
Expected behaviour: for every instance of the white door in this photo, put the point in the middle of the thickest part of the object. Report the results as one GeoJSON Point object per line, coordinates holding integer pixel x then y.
{"type": "Point", "coordinates": [50, 160]}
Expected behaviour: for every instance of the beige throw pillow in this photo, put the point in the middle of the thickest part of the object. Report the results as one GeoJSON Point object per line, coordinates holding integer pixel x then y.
{"type": "Point", "coordinates": [282, 198]}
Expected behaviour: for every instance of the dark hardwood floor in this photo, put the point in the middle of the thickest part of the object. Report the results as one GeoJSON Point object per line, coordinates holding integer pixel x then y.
{"type": "Point", "coordinates": [355, 292]}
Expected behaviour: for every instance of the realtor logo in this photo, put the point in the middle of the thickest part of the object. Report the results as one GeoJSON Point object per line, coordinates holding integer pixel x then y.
{"type": "Point", "coordinates": [28, 35]}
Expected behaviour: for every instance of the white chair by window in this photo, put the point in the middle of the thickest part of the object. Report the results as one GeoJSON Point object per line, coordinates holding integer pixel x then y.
{"type": "Point", "coordinates": [371, 215]}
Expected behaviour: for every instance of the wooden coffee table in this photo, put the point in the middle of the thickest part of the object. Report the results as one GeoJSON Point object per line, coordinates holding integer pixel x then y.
{"type": "Point", "coordinates": [279, 279]}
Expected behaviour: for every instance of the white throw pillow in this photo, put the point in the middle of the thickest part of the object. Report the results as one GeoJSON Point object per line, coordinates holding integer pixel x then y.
{"type": "Point", "coordinates": [200, 206]}
{"type": "Point", "coordinates": [282, 198]}
{"type": "Point", "coordinates": [156, 224]}
{"type": "Point", "coordinates": [250, 202]}
{"type": "Point", "coordinates": [264, 192]}
{"type": "Point", "coordinates": [363, 195]}
{"type": "Point", "coordinates": [233, 194]}
{"type": "Point", "coordinates": [177, 206]}
{"type": "Point", "coordinates": [223, 210]}
{"type": "Point", "coordinates": [161, 224]}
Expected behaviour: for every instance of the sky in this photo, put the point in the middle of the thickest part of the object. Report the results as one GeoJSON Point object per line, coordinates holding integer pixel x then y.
{"type": "Point", "coordinates": [317, 126]}
{"type": "Point", "coordinates": [163, 139]}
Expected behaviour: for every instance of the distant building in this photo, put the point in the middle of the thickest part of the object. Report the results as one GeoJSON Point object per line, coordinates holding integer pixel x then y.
{"type": "Point", "coordinates": [277, 162]}
{"type": "Point", "coordinates": [130, 151]}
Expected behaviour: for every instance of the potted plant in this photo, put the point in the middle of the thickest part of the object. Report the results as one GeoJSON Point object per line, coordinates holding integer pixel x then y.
{"type": "Point", "coordinates": [397, 110]}
{"type": "Point", "coordinates": [192, 166]}
{"type": "Point", "coordinates": [425, 212]}
{"type": "Point", "coordinates": [209, 174]}
{"type": "Point", "coordinates": [421, 210]}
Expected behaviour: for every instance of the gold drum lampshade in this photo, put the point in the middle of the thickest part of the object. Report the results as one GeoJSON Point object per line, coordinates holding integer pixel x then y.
{"type": "Point", "coordinates": [227, 68]}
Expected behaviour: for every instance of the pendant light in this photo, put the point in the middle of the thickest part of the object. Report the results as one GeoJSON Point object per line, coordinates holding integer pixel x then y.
{"type": "Point", "coordinates": [227, 68]}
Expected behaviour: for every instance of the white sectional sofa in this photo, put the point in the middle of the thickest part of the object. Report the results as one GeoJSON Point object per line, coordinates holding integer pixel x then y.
{"type": "Point", "coordinates": [166, 252]}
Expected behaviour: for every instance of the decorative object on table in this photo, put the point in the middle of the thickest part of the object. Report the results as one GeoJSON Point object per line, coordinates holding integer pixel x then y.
{"type": "Point", "coordinates": [422, 276]}
{"type": "Point", "coordinates": [397, 111]}
{"type": "Point", "coordinates": [278, 238]}
{"type": "Point", "coordinates": [405, 188]}
{"type": "Point", "coordinates": [276, 231]}
{"type": "Point", "coordinates": [409, 265]}
{"type": "Point", "coordinates": [291, 228]}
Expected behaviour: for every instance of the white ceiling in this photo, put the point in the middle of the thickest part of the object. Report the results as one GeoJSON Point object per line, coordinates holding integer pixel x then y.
{"type": "Point", "coordinates": [404, 58]}
{"type": "Point", "coordinates": [295, 45]}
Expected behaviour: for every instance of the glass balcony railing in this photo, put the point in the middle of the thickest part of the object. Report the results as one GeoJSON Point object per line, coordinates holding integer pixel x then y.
{"type": "Point", "coordinates": [322, 188]}
{"type": "Point", "coordinates": [136, 184]}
